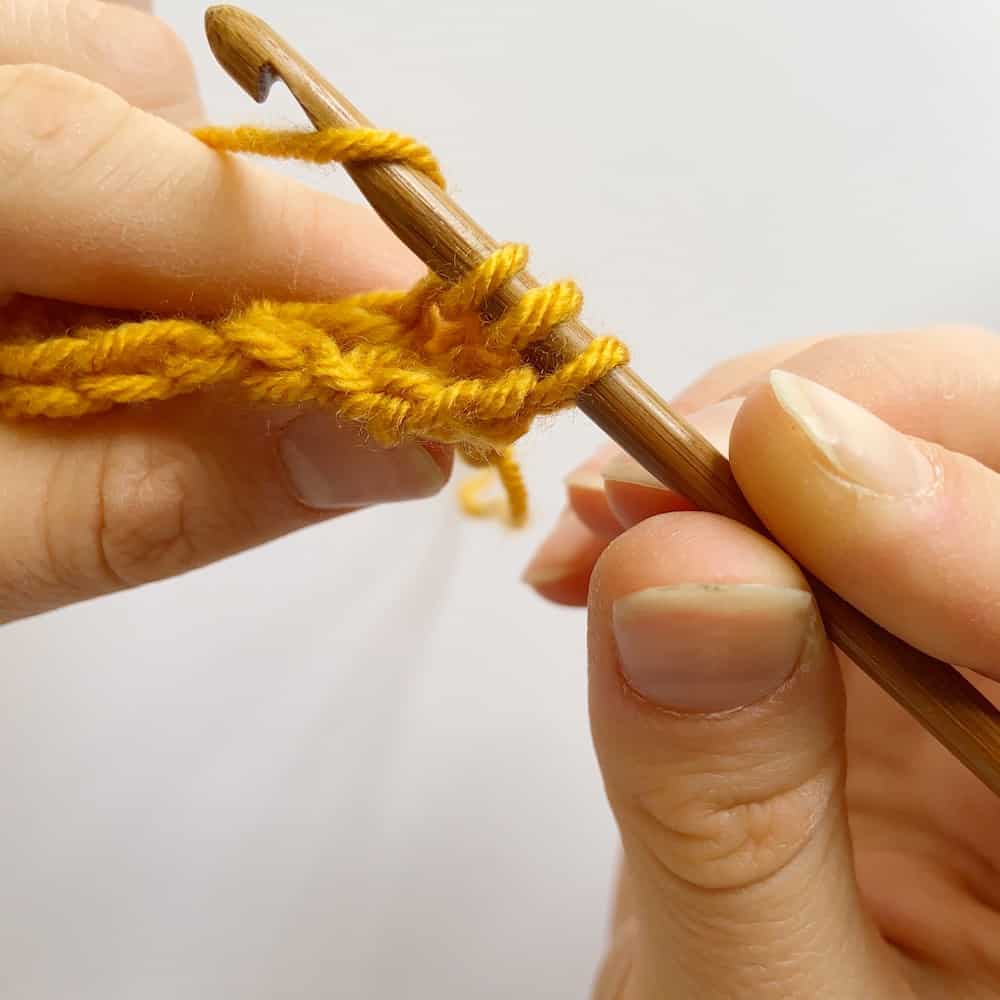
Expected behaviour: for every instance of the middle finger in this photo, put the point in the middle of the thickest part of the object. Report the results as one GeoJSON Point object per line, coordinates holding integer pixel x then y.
{"type": "Point", "coordinates": [130, 51]}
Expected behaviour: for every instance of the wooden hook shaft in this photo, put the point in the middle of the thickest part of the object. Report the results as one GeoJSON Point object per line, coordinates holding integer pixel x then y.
{"type": "Point", "coordinates": [429, 222]}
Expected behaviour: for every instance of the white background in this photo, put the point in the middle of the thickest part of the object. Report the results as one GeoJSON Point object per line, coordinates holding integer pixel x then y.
{"type": "Point", "coordinates": [355, 763]}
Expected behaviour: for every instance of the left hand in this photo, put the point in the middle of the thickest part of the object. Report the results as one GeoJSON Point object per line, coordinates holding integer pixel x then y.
{"type": "Point", "coordinates": [752, 868]}
{"type": "Point", "coordinates": [109, 206]}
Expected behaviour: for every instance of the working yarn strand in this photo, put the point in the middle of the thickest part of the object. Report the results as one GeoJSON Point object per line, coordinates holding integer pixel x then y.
{"type": "Point", "coordinates": [421, 364]}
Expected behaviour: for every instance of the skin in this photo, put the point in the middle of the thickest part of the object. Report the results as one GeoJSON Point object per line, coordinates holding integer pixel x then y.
{"type": "Point", "coordinates": [108, 202]}
{"type": "Point", "coordinates": [893, 888]}
{"type": "Point", "coordinates": [814, 843]}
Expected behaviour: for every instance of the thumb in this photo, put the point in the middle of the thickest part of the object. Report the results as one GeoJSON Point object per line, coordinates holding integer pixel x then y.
{"type": "Point", "coordinates": [717, 714]}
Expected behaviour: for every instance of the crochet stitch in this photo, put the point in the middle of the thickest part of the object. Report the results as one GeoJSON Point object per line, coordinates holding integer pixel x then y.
{"type": "Point", "coordinates": [421, 364]}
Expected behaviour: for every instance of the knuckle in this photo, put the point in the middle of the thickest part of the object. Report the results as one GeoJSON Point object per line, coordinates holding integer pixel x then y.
{"type": "Point", "coordinates": [107, 514]}
{"type": "Point", "coordinates": [127, 509]}
{"type": "Point", "coordinates": [53, 122]}
{"type": "Point", "coordinates": [150, 525]}
{"type": "Point", "coordinates": [705, 834]}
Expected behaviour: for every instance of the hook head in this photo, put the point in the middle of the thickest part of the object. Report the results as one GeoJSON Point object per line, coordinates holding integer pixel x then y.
{"type": "Point", "coordinates": [243, 44]}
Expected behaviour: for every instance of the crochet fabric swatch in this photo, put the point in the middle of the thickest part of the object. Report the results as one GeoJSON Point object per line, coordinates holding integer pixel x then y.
{"type": "Point", "coordinates": [421, 364]}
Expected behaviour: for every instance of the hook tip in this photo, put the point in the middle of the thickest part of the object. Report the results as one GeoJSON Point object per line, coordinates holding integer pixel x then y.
{"type": "Point", "coordinates": [238, 40]}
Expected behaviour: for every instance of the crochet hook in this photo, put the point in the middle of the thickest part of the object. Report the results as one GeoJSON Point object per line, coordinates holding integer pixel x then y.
{"type": "Point", "coordinates": [437, 230]}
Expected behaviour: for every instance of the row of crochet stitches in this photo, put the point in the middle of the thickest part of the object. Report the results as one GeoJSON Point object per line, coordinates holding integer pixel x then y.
{"type": "Point", "coordinates": [418, 364]}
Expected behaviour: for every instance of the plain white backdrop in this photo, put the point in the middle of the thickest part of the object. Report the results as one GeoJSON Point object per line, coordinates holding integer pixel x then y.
{"type": "Point", "coordinates": [355, 763]}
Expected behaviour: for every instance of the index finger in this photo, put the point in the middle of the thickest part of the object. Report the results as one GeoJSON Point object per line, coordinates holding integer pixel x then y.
{"type": "Point", "coordinates": [106, 205]}
{"type": "Point", "coordinates": [890, 503]}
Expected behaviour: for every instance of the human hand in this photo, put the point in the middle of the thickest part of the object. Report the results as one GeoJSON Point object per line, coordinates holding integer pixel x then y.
{"type": "Point", "coordinates": [751, 868]}
{"type": "Point", "coordinates": [106, 201]}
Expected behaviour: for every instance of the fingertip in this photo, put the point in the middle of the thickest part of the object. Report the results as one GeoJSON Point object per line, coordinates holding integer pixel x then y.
{"type": "Point", "coordinates": [631, 503]}
{"type": "Point", "coordinates": [587, 499]}
{"type": "Point", "coordinates": [706, 648]}
{"type": "Point", "coordinates": [443, 455]}
{"type": "Point", "coordinates": [569, 591]}
{"type": "Point", "coordinates": [329, 468]}
{"type": "Point", "coordinates": [675, 550]}
{"type": "Point", "coordinates": [586, 496]}
{"type": "Point", "coordinates": [689, 547]}
{"type": "Point", "coordinates": [901, 527]}
{"type": "Point", "coordinates": [560, 570]}
{"type": "Point", "coordinates": [634, 494]}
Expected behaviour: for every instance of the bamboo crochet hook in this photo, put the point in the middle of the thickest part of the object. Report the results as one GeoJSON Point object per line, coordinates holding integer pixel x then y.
{"type": "Point", "coordinates": [628, 410]}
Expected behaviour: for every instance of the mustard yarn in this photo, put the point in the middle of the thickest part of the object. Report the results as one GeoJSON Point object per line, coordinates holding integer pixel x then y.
{"type": "Point", "coordinates": [420, 364]}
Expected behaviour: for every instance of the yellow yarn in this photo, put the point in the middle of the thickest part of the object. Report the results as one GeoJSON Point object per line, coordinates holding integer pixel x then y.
{"type": "Point", "coordinates": [335, 145]}
{"type": "Point", "coordinates": [509, 474]}
{"type": "Point", "coordinates": [422, 364]}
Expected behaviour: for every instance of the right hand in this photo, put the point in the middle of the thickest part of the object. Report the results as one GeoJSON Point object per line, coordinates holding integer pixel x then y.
{"type": "Point", "coordinates": [106, 201]}
{"type": "Point", "coordinates": [779, 839]}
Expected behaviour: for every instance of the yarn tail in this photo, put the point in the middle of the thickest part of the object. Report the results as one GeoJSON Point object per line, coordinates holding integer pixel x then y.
{"type": "Point", "coordinates": [503, 466]}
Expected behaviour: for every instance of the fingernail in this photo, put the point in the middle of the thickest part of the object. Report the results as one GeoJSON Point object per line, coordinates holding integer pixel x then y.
{"type": "Point", "coordinates": [710, 648]}
{"type": "Point", "coordinates": [559, 555]}
{"type": "Point", "coordinates": [588, 476]}
{"type": "Point", "coordinates": [857, 444]}
{"type": "Point", "coordinates": [714, 422]}
{"type": "Point", "coordinates": [625, 469]}
{"type": "Point", "coordinates": [585, 479]}
{"type": "Point", "coordinates": [330, 470]}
